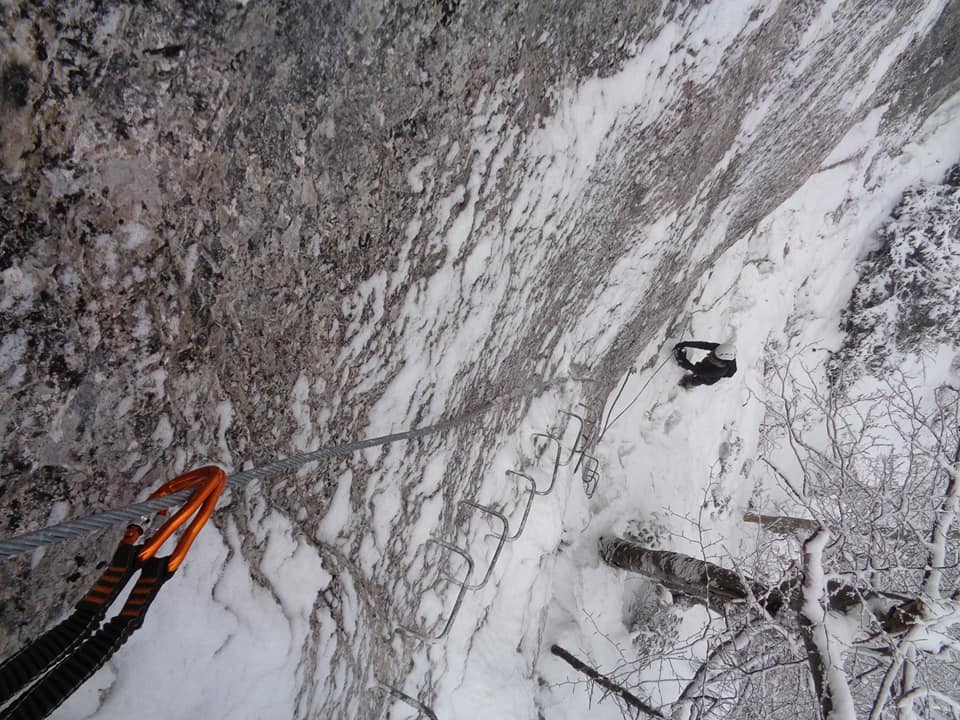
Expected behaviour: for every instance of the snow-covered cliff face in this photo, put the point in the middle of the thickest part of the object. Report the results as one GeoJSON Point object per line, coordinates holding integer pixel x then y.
{"type": "Point", "coordinates": [193, 198]}
{"type": "Point", "coordinates": [232, 232]}
{"type": "Point", "coordinates": [907, 300]}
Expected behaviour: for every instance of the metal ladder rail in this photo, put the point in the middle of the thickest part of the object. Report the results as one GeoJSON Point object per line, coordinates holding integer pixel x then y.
{"type": "Point", "coordinates": [502, 538]}
{"type": "Point", "coordinates": [409, 700]}
{"type": "Point", "coordinates": [457, 603]}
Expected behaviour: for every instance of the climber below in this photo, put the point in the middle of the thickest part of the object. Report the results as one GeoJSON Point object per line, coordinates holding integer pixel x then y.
{"type": "Point", "coordinates": [721, 362]}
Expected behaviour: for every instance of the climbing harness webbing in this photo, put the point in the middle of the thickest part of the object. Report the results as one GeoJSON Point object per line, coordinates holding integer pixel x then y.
{"type": "Point", "coordinates": [82, 661]}
{"type": "Point", "coordinates": [20, 669]}
{"type": "Point", "coordinates": [54, 665]}
{"type": "Point", "coordinates": [20, 544]}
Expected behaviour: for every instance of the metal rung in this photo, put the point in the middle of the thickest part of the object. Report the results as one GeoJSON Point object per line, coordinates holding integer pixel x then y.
{"type": "Point", "coordinates": [526, 511]}
{"type": "Point", "coordinates": [590, 475]}
{"type": "Point", "coordinates": [577, 448]}
{"type": "Point", "coordinates": [556, 464]}
{"type": "Point", "coordinates": [500, 541]}
{"type": "Point", "coordinates": [411, 701]}
{"type": "Point", "coordinates": [583, 450]}
{"type": "Point", "coordinates": [456, 605]}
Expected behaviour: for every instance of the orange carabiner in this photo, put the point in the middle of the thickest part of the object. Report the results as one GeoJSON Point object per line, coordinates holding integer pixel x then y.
{"type": "Point", "coordinates": [208, 482]}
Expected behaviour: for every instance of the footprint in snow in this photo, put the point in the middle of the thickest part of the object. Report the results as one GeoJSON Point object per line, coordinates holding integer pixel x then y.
{"type": "Point", "coordinates": [672, 421]}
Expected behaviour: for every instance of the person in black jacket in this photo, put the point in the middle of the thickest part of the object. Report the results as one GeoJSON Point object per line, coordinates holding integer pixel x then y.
{"type": "Point", "coordinates": [721, 362]}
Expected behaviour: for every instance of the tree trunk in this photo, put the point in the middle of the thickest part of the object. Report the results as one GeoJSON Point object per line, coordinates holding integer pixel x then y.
{"type": "Point", "coordinates": [708, 584]}
{"type": "Point", "coordinates": [788, 525]}
{"type": "Point", "coordinates": [715, 586]}
{"type": "Point", "coordinates": [782, 524]}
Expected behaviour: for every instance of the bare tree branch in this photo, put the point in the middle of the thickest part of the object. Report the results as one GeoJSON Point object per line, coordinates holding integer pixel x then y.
{"type": "Point", "coordinates": [605, 682]}
{"type": "Point", "coordinates": [919, 693]}
{"type": "Point", "coordinates": [941, 527]}
{"type": "Point", "coordinates": [696, 686]}
{"type": "Point", "coordinates": [831, 684]}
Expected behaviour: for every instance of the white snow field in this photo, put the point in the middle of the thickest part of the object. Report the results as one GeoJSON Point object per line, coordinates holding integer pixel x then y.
{"type": "Point", "coordinates": [219, 643]}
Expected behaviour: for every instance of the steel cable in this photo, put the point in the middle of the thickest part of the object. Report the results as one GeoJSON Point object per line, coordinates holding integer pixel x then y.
{"type": "Point", "coordinates": [631, 403]}
{"type": "Point", "coordinates": [20, 544]}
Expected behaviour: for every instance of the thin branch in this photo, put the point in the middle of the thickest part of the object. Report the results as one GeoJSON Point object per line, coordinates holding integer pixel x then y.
{"type": "Point", "coordinates": [605, 682]}
{"type": "Point", "coordinates": [883, 694]}
{"type": "Point", "coordinates": [698, 684]}
{"type": "Point", "coordinates": [785, 479]}
{"type": "Point", "coordinates": [918, 693]}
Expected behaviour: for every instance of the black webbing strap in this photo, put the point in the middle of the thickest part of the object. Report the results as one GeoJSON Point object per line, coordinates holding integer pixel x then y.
{"type": "Point", "coordinates": [32, 661]}
{"type": "Point", "coordinates": [60, 682]}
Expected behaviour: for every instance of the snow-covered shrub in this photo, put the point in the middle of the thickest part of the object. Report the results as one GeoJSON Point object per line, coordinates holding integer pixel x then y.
{"type": "Point", "coordinates": [654, 620]}
{"type": "Point", "coordinates": [908, 297]}
{"type": "Point", "coordinates": [649, 532]}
